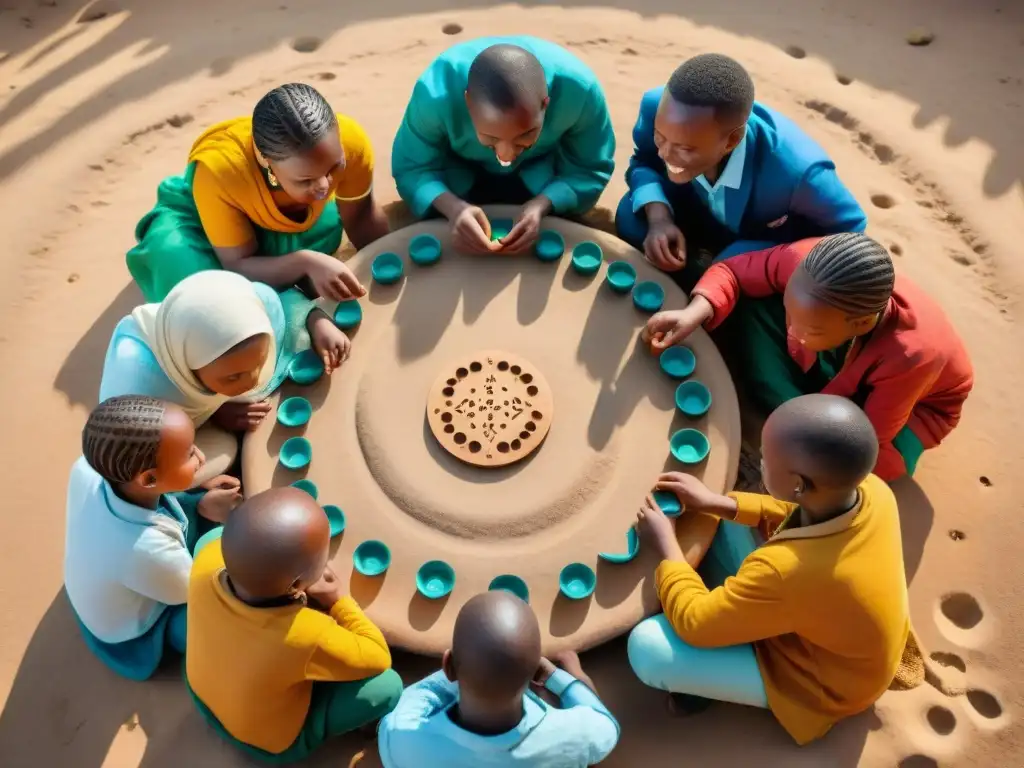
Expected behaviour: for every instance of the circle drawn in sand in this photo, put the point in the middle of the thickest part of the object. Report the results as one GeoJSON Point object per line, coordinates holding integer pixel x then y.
{"type": "Point", "coordinates": [796, 51]}
{"type": "Point", "coordinates": [451, 29]}
{"type": "Point", "coordinates": [941, 720]}
{"type": "Point", "coordinates": [306, 44]}
{"type": "Point", "coordinates": [984, 703]}
{"type": "Point", "coordinates": [883, 201]}
{"type": "Point", "coordinates": [490, 411]}
{"type": "Point", "coordinates": [962, 609]}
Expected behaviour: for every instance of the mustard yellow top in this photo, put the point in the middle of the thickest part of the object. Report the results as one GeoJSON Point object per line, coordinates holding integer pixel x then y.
{"type": "Point", "coordinates": [231, 193]}
{"type": "Point", "coordinates": [254, 668]}
{"type": "Point", "coordinates": [824, 605]}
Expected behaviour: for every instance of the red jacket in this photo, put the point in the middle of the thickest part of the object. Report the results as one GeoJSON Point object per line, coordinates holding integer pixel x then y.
{"type": "Point", "coordinates": [913, 367]}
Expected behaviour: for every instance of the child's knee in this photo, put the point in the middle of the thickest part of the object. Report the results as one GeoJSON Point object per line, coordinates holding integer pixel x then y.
{"type": "Point", "coordinates": [387, 690]}
{"type": "Point", "coordinates": [650, 650]}
{"type": "Point", "coordinates": [177, 628]}
{"type": "Point", "coordinates": [628, 225]}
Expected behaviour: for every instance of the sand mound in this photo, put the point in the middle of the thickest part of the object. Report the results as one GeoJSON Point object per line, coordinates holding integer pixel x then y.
{"type": "Point", "coordinates": [98, 102]}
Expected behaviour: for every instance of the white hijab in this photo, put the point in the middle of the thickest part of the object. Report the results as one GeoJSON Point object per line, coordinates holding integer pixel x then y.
{"type": "Point", "coordinates": [204, 316]}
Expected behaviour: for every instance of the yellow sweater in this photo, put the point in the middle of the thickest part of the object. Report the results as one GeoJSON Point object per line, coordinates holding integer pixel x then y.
{"type": "Point", "coordinates": [231, 195]}
{"type": "Point", "coordinates": [254, 668]}
{"type": "Point", "coordinates": [824, 605]}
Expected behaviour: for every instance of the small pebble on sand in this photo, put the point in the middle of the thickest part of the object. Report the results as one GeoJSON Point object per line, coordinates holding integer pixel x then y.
{"type": "Point", "coordinates": [73, 277]}
{"type": "Point", "coordinates": [920, 36]}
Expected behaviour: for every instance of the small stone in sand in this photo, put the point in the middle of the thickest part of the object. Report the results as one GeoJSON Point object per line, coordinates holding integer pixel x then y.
{"type": "Point", "coordinates": [73, 277]}
{"type": "Point", "coordinates": [920, 36]}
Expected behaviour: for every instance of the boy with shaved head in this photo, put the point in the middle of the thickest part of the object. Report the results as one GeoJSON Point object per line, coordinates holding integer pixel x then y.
{"type": "Point", "coordinates": [513, 120]}
{"type": "Point", "coordinates": [815, 622]}
{"type": "Point", "coordinates": [279, 659]}
{"type": "Point", "coordinates": [479, 711]}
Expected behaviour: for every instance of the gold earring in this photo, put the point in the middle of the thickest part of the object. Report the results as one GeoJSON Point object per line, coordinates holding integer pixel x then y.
{"type": "Point", "coordinates": [272, 179]}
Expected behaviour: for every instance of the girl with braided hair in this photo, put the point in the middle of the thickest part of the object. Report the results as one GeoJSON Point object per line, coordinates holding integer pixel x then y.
{"type": "Point", "coordinates": [831, 315]}
{"type": "Point", "coordinates": [131, 530]}
{"type": "Point", "coordinates": [266, 196]}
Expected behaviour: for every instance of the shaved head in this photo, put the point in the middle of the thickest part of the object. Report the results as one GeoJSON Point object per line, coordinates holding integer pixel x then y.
{"type": "Point", "coordinates": [276, 543]}
{"type": "Point", "coordinates": [507, 78]}
{"type": "Point", "coordinates": [496, 646]}
{"type": "Point", "coordinates": [824, 439]}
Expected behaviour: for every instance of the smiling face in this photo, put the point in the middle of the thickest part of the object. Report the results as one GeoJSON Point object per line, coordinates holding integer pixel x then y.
{"type": "Point", "coordinates": [817, 326]}
{"type": "Point", "coordinates": [238, 370]}
{"type": "Point", "coordinates": [690, 140]}
{"type": "Point", "coordinates": [310, 176]}
{"type": "Point", "coordinates": [508, 133]}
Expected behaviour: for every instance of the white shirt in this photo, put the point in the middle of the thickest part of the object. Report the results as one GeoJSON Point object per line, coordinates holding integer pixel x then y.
{"type": "Point", "coordinates": [731, 177]}
{"type": "Point", "coordinates": [123, 564]}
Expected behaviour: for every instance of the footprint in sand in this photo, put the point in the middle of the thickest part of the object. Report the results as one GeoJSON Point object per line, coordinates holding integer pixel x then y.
{"type": "Point", "coordinates": [883, 201]}
{"type": "Point", "coordinates": [985, 481]}
{"type": "Point", "coordinates": [962, 610]}
{"type": "Point", "coordinates": [946, 659]}
{"type": "Point", "coordinates": [895, 249]}
{"type": "Point", "coordinates": [984, 703]}
{"type": "Point", "coordinates": [796, 51]}
{"type": "Point", "coordinates": [451, 29]}
{"type": "Point", "coordinates": [918, 761]}
{"type": "Point", "coordinates": [956, 534]}
{"type": "Point", "coordinates": [844, 79]}
{"type": "Point", "coordinates": [324, 76]}
{"type": "Point", "coordinates": [941, 720]}
{"type": "Point", "coordinates": [306, 44]}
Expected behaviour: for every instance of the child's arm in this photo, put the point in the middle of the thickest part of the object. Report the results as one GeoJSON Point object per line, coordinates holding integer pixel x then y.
{"type": "Point", "coordinates": [397, 735]}
{"type": "Point", "coordinates": [646, 172]}
{"type": "Point", "coordinates": [824, 201]}
{"type": "Point", "coordinates": [754, 510]}
{"type": "Point", "coordinates": [419, 153]}
{"type": "Point", "coordinates": [589, 716]}
{"type": "Point", "coordinates": [750, 605]}
{"type": "Point", "coordinates": [159, 568]}
{"type": "Point", "coordinates": [757, 274]}
{"type": "Point", "coordinates": [757, 510]}
{"type": "Point", "coordinates": [351, 649]}
{"type": "Point", "coordinates": [585, 158]}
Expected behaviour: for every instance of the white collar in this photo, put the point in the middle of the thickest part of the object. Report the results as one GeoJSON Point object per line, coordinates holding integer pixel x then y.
{"type": "Point", "coordinates": [732, 176]}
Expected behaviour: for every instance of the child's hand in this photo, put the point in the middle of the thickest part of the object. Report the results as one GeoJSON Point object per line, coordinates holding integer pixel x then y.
{"type": "Point", "coordinates": [471, 231]}
{"type": "Point", "coordinates": [332, 278]}
{"type": "Point", "coordinates": [544, 670]}
{"type": "Point", "coordinates": [569, 661]}
{"type": "Point", "coordinates": [695, 496]}
{"type": "Point", "coordinates": [667, 329]}
{"type": "Point", "coordinates": [657, 530]}
{"type": "Point", "coordinates": [329, 341]}
{"type": "Point", "coordinates": [222, 496]}
{"type": "Point", "coordinates": [527, 227]}
{"type": "Point", "coordinates": [241, 417]}
{"type": "Point", "coordinates": [326, 592]}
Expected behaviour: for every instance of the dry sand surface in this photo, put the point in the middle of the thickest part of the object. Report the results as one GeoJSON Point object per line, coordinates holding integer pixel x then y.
{"type": "Point", "coordinates": [98, 103]}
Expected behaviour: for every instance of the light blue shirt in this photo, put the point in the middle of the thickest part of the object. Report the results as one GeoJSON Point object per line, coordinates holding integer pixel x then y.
{"type": "Point", "coordinates": [581, 734]}
{"type": "Point", "coordinates": [123, 564]}
{"type": "Point", "coordinates": [730, 178]}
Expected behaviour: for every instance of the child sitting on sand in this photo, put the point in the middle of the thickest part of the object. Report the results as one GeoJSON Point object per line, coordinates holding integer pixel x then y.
{"type": "Point", "coordinates": [274, 675]}
{"type": "Point", "coordinates": [478, 711]}
{"type": "Point", "coordinates": [128, 534]}
{"type": "Point", "coordinates": [831, 315]}
{"type": "Point", "coordinates": [815, 622]}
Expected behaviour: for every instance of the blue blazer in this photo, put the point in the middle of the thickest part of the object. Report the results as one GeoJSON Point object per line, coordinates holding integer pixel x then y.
{"type": "Point", "coordinates": [790, 188]}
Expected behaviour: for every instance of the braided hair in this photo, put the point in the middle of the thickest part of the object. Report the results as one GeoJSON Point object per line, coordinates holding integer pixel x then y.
{"type": "Point", "coordinates": [122, 437]}
{"type": "Point", "coordinates": [850, 272]}
{"type": "Point", "coordinates": [506, 76]}
{"type": "Point", "coordinates": [290, 120]}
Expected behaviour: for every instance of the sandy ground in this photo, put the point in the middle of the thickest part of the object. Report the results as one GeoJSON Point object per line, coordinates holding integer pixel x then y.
{"type": "Point", "coordinates": [94, 113]}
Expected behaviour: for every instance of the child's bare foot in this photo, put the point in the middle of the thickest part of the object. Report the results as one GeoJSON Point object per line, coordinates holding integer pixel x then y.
{"type": "Point", "coordinates": [685, 705]}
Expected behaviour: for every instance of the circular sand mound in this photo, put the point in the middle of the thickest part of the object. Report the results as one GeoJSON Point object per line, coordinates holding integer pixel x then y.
{"type": "Point", "coordinates": [609, 411]}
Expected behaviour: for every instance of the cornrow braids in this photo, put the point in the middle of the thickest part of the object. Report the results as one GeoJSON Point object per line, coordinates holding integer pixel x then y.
{"type": "Point", "coordinates": [850, 272]}
{"type": "Point", "coordinates": [122, 436]}
{"type": "Point", "coordinates": [290, 120]}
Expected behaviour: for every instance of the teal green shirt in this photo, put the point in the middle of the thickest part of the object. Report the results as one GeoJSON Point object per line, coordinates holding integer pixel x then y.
{"type": "Point", "coordinates": [436, 149]}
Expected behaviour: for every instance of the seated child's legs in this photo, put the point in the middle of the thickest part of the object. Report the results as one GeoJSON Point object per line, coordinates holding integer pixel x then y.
{"type": "Point", "coordinates": [220, 449]}
{"type": "Point", "coordinates": [340, 708]}
{"type": "Point", "coordinates": [176, 627]}
{"type": "Point", "coordinates": [140, 657]}
{"type": "Point", "coordinates": [730, 547]}
{"type": "Point", "coordinates": [661, 660]}
{"type": "Point", "coordinates": [910, 447]}
{"type": "Point", "coordinates": [629, 226]}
